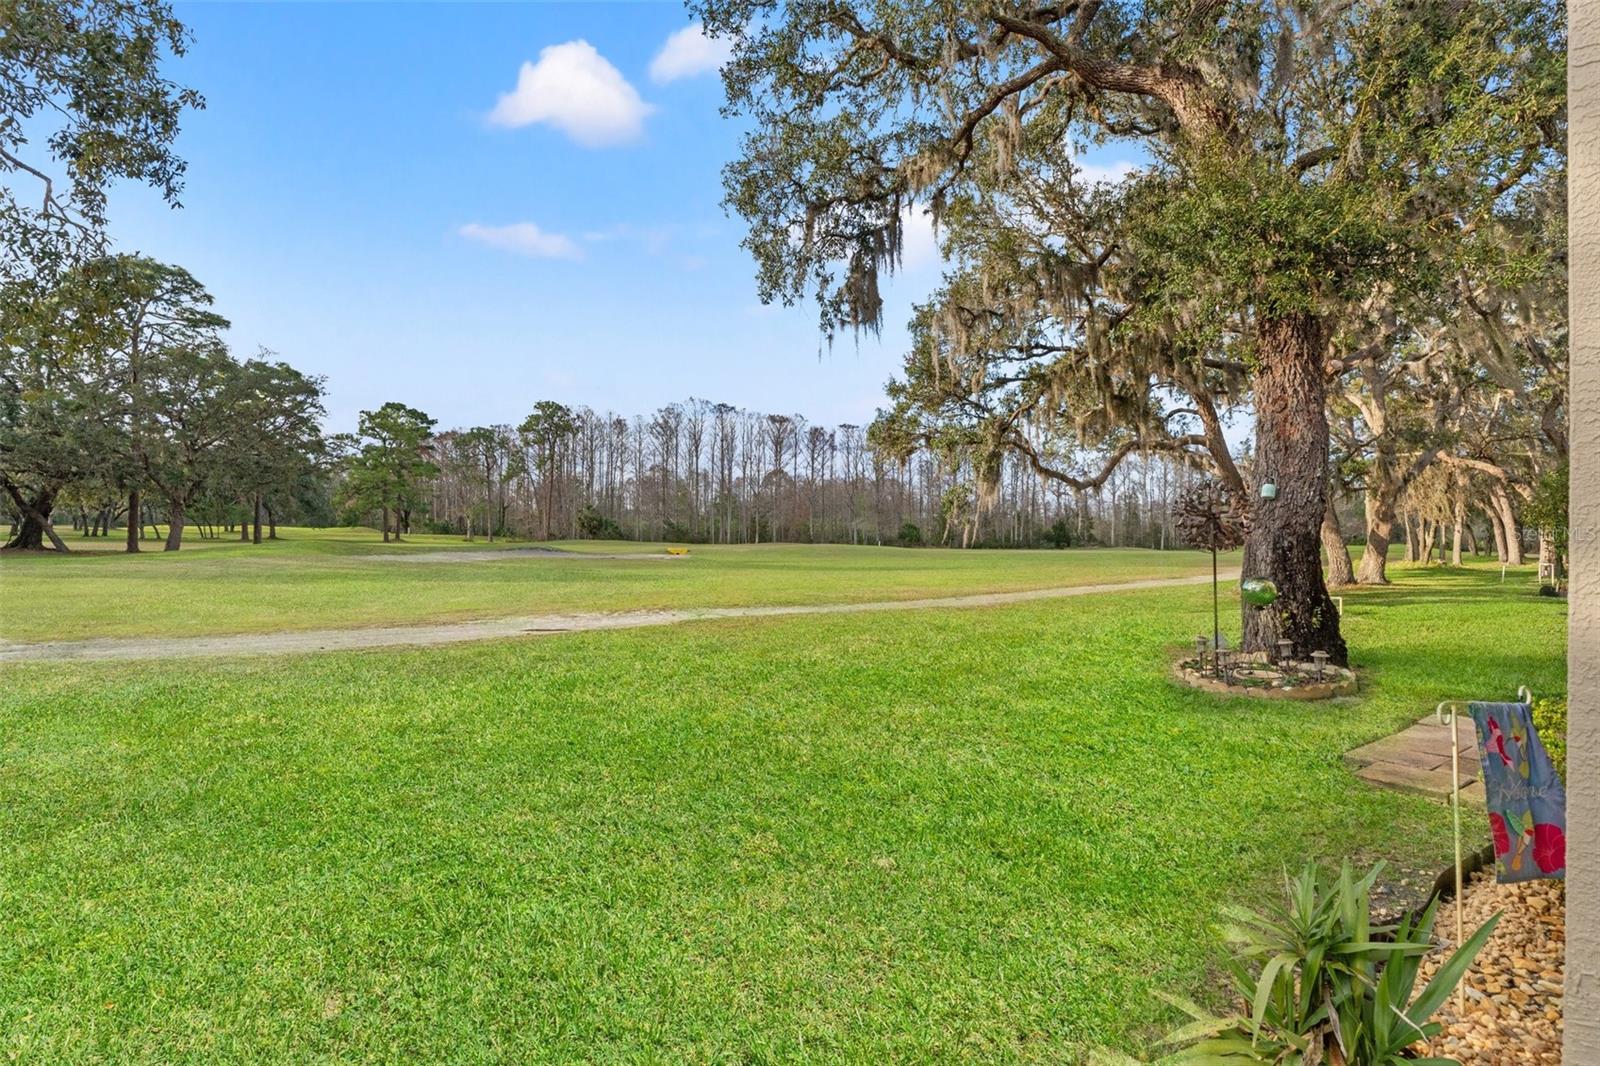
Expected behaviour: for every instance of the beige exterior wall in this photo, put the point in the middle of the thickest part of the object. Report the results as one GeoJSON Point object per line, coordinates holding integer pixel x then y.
{"type": "Point", "coordinates": [1582, 1006]}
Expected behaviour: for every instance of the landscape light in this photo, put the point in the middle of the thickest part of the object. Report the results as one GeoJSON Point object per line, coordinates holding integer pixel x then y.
{"type": "Point", "coordinates": [1320, 658]}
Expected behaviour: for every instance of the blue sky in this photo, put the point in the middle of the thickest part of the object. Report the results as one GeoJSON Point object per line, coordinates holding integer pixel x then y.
{"type": "Point", "coordinates": [461, 208]}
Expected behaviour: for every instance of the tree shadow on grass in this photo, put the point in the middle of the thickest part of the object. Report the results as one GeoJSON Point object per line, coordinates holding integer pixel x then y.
{"type": "Point", "coordinates": [1402, 597]}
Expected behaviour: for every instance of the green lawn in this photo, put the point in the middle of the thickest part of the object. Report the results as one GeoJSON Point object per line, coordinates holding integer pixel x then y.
{"type": "Point", "coordinates": [981, 835]}
{"type": "Point", "coordinates": [324, 578]}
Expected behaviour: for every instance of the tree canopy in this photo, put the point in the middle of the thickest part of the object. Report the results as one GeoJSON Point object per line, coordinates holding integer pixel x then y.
{"type": "Point", "coordinates": [83, 103]}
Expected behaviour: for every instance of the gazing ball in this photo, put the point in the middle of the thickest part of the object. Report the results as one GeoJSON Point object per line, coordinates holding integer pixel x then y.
{"type": "Point", "coordinates": [1258, 591]}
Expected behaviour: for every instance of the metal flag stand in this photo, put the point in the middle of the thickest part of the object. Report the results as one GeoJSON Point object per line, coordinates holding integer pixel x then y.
{"type": "Point", "coordinates": [1446, 714]}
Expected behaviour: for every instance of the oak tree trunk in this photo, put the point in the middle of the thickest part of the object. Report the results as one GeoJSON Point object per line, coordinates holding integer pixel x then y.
{"type": "Point", "coordinates": [135, 520]}
{"type": "Point", "coordinates": [29, 534]}
{"type": "Point", "coordinates": [1383, 489]}
{"type": "Point", "coordinates": [34, 529]}
{"type": "Point", "coordinates": [1340, 570]}
{"type": "Point", "coordinates": [1498, 530]}
{"type": "Point", "coordinates": [1284, 544]}
{"type": "Point", "coordinates": [174, 527]}
{"type": "Point", "coordinates": [1461, 520]}
{"type": "Point", "coordinates": [1374, 568]}
{"type": "Point", "coordinates": [255, 536]}
{"type": "Point", "coordinates": [1508, 518]}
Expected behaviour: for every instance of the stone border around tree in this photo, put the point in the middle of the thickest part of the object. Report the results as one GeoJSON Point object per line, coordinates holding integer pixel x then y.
{"type": "Point", "coordinates": [1343, 683]}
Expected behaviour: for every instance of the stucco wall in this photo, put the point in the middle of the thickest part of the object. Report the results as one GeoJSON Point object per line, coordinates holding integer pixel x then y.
{"type": "Point", "coordinates": [1582, 1001]}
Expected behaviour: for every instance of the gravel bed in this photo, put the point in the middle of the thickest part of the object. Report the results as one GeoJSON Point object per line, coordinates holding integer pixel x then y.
{"type": "Point", "coordinates": [1513, 991]}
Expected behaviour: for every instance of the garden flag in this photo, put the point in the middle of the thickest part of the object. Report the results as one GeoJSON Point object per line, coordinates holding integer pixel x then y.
{"type": "Point", "coordinates": [1526, 800]}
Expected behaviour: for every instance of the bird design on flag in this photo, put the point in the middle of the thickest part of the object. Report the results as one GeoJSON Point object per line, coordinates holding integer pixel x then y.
{"type": "Point", "coordinates": [1496, 742]}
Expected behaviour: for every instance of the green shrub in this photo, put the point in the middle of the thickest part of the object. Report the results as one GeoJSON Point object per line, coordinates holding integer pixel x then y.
{"type": "Point", "coordinates": [910, 533]}
{"type": "Point", "coordinates": [1317, 975]}
{"type": "Point", "coordinates": [596, 526]}
{"type": "Point", "coordinates": [1550, 719]}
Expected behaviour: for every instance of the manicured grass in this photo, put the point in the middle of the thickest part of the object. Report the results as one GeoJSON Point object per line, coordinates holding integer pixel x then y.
{"type": "Point", "coordinates": [980, 835]}
{"type": "Point", "coordinates": [329, 578]}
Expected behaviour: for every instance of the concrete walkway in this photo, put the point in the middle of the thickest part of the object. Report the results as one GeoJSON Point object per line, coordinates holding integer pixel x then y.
{"type": "Point", "coordinates": [1417, 759]}
{"type": "Point", "coordinates": [314, 640]}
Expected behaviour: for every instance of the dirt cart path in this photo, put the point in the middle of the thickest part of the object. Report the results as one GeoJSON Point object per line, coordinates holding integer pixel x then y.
{"type": "Point", "coordinates": [430, 635]}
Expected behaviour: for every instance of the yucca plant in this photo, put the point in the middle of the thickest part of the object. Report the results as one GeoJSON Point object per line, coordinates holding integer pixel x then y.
{"type": "Point", "coordinates": [1320, 984]}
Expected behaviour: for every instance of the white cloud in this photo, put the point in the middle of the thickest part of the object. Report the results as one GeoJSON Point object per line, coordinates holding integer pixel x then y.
{"type": "Point", "coordinates": [575, 89]}
{"type": "Point", "coordinates": [1104, 173]}
{"type": "Point", "coordinates": [523, 238]}
{"type": "Point", "coordinates": [688, 53]}
{"type": "Point", "coordinates": [919, 246]}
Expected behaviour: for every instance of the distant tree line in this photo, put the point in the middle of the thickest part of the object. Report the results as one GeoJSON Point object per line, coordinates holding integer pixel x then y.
{"type": "Point", "coordinates": [704, 472]}
{"type": "Point", "coordinates": [712, 473]}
